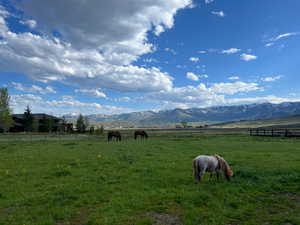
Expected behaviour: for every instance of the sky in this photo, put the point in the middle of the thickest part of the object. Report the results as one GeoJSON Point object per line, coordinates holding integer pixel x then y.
{"type": "Point", "coordinates": [119, 56]}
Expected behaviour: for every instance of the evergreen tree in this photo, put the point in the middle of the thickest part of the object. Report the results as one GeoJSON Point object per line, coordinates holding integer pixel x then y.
{"type": "Point", "coordinates": [6, 120]}
{"type": "Point", "coordinates": [46, 124]}
{"type": "Point", "coordinates": [28, 119]}
{"type": "Point", "coordinates": [80, 124]}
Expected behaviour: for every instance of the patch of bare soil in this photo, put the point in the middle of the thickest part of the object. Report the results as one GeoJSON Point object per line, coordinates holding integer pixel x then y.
{"type": "Point", "coordinates": [292, 196]}
{"type": "Point", "coordinates": [164, 219]}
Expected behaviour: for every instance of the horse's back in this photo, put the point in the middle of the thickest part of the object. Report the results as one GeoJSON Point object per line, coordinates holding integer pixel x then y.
{"type": "Point", "coordinates": [206, 162]}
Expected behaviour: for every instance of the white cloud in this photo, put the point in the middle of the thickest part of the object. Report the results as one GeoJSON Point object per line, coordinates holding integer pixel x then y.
{"type": "Point", "coordinates": [234, 88]}
{"type": "Point", "coordinates": [202, 52]}
{"type": "Point", "coordinates": [271, 99]}
{"type": "Point", "coordinates": [99, 42]}
{"type": "Point", "coordinates": [92, 92]}
{"type": "Point", "coordinates": [208, 1]}
{"type": "Point", "coordinates": [194, 59]}
{"type": "Point", "coordinates": [49, 59]}
{"type": "Point", "coordinates": [192, 76]}
{"type": "Point", "coordinates": [269, 44]}
{"type": "Point", "coordinates": [170, 50]}
{"type": "Point", "coordinates": [187, 95]}
{"type": "Point", "coordinates": [123, 99]}
{"type": "Point", "coordinates": [247, 57]}
{"type": "Point", "coordinates": [150, 60]}
{"type": "Point", "coordinates": [218, 13]}
{"type": "Point", "coordinates": [284, 36]}
{"type": "Point", "coordinates": [231, 51]}
{"type": "Point", "coordinates": [64, 105]}
{"type": "Point", "coordinates": [271, 79]}
{"type": "Point", "coordinates": [233, 78]}
{"type": "Point", "coordinates": [201, 95]}
{"type": "Point", "coordinates": [99, 24]}
{"type": "Point", "coordinates": [203, 76]}
{"type": "Point", "coordinates": [30, 23]}
{"type": "Point", "coordinates": [33, 88]}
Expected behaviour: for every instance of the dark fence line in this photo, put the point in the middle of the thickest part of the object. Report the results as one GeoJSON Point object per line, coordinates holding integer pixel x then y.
{"type": "Point", "coordinates": [275, 132]}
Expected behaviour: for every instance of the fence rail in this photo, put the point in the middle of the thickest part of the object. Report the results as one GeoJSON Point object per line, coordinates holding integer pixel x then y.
{"type": "Point", "coordinates": [275, 132]}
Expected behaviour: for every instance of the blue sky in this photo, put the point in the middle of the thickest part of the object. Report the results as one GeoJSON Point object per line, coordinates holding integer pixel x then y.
{"type": "Point", "coordinates": [111, 57]}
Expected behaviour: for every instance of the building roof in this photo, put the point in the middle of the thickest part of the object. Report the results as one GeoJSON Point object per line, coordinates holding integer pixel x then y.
{"type": "Point", "coordinates": [37, 116]}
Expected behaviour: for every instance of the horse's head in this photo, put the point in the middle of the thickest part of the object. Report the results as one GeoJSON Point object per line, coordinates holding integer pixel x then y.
{"type": "Point", "coordinates": [228, 172]}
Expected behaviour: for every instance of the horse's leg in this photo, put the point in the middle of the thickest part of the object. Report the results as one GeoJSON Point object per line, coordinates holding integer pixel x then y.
{"type": "Point", "coordinates": [218, 175]}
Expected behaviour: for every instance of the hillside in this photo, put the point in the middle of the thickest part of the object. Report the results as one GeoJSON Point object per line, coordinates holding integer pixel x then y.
{"type": "Point", "coordinates": [285, 122]}
{"type": "Point", "coordinates": [201, 115]}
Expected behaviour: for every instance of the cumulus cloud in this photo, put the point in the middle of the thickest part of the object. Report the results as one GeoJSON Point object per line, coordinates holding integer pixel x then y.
{"type": "Point", "coordinates": [189, 94]}
{"type": "Point", "coordinates": [231, 51]}
{"type": "Point", "coordinates": [248, 57]}
{"type": "Point", "coordinates": [201, 95]}
{"type": "Point", "coordinates": [194, 59]}
{"type": "Point", "coordinates": [218, 13]}
{"type": "Point", "coordinates": [234, 78]}
{"type": "Point", "coordinates": [111, 24]}
{"type": "Point", "coordinates": [61, 106]}
{"type": "Point", "coordinates": [192, 76]}
{"type": "Point", "coordinates": [270, 98]}
{"type": "Point", "coordinates": [99, 42]}
{"type": "Point", "coordinates": [30, 23]}
{"type": "Point", "coordinates": [92, 92]}
{"type": "Point", "coordinates": [33, 88]}
{"type": "Point", "coordinates": [233, 88]}
{"type": "Point", "coordinates": [271, 79]}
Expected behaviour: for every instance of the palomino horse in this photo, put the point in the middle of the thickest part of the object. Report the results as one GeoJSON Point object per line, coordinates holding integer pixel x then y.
{"type": "Point", "coordinates": [141, 133]}
{"type": "Point", "coordinates": [112, 134]}
{"type": "Point", "coordinates": [211, 164]}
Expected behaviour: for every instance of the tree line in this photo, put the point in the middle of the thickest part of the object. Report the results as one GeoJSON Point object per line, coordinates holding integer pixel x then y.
{"type": "Point", "coordinates": [44, 124]}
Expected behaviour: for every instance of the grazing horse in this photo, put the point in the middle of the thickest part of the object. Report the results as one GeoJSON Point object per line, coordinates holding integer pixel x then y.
{"type": "Point", "coordinates": [112, 134]}
{"type": "Point", "coordinates": [211, 164]}
{"type": "Point", "coordinates": [141, 133]}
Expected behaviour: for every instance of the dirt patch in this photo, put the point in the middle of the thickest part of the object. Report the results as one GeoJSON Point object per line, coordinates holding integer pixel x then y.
{"type": "Point", "coordinates": [292, 196]}
{"type": "Point", "coordinates": [164, 219]}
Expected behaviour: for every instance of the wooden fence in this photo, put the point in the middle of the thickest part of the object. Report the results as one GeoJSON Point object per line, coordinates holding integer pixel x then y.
{"type": "Point", "coordinates": [275, 132]}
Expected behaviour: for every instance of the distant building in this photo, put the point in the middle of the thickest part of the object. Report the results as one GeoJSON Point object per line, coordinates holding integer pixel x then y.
{"type": "Point", "coordinates": [45, 123]}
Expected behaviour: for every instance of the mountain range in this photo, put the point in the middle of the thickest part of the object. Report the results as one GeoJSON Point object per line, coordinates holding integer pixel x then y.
{"type": "Point", "coordinates": [199, 115]}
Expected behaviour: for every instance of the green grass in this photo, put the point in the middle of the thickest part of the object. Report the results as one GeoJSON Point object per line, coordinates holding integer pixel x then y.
{"type": "Point", "coordinates": [149, 182]}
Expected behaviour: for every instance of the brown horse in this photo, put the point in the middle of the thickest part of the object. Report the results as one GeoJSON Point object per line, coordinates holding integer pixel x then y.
{"type": "Point", "coordinates": [112, 134]}
{"type": "Point", "coordinates": [141, 133]}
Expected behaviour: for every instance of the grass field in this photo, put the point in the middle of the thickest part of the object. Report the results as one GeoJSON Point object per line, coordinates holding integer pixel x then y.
{"type": "Point", "coordinates": [91, 182]}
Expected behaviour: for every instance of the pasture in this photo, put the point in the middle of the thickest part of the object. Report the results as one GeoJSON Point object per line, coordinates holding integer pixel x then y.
{"type": "Point", "coordinates": [92, 182]}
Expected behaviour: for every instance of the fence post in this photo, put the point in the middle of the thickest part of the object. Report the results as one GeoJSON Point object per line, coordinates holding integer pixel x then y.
{"type": "Point", "coordinates": [272, 132]}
